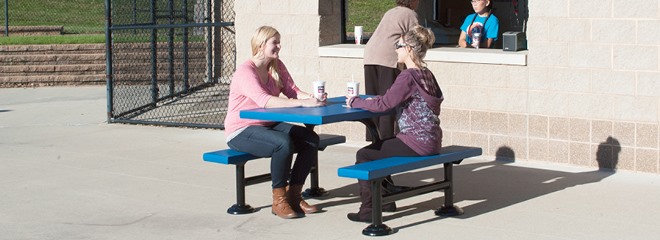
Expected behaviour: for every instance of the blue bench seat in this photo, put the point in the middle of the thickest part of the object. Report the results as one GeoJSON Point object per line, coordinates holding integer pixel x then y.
{"type": "Point", "coordinates": [239, 159]}
{"type": "Point", "coordinates": [376, 171]}
{"type": "Point", "coordinates": [230, 156]}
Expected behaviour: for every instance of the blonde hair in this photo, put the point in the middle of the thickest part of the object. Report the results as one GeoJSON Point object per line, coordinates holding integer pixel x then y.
{"type": "Point", "coordinates": [420, 39]}
{"type": "Point", "coordinates": [259, 39]}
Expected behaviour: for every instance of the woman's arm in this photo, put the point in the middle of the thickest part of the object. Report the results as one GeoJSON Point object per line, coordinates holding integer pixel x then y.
{"type": "Point", "coordinates": [247, 83]}
{"type": "Point", "coordinates": [279, 102]}
{"type": "Point", "coordinates": [400, 91]}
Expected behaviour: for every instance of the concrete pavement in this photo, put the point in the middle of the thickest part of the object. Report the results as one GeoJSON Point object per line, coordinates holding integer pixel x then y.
{"type": "Point", "coordinates": [67, 174]}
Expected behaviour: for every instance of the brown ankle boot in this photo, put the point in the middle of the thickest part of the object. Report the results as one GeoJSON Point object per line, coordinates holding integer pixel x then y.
{"type": "Point", "coordinates": [294, 194]}
{"type": "Point", "coordinates": [281, 206]}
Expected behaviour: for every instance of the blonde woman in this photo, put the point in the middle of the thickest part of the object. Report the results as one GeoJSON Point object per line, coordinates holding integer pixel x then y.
{"type": "Point", "coordinates": [259, 83]}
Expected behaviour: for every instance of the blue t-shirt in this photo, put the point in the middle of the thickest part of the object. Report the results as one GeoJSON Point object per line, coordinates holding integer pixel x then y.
{"type": "Point", "coordinates": [491, 30]}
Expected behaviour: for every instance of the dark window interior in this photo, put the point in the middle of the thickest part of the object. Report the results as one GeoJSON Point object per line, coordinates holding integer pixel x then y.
{"type": "Point", "coordinates": [444, 17]}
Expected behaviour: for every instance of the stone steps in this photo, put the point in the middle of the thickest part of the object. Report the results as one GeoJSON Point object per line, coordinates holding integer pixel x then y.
{"type": "Point", "coordinates": [46, 59]}
{"type": "Point", "coordinates": [52, 49]}
{"type": "Point", "coordinates": [77, 69]}
{"type": "Point", "coordinates": [54, 64]}
{"type": "Point", "coordinates": [51, 80]}
{"type": "Point", "coordinates": [76, 64]}
{"type": "Point", "coordinates": [33, 30]}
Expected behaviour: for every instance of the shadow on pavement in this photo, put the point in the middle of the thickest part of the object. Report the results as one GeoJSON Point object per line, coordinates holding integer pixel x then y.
{"type": "Point", "coordinates": [484, 187]}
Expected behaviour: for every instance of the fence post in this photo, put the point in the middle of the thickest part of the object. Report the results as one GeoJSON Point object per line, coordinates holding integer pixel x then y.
{"type": "Point", "coordinates": [108, 59]}
{"type": "Point", "coordinates": [217, 42]}
{"type": "Point", "coordinates": [6, 18]}
{"type": "Point", "coordinates": [154, 54]}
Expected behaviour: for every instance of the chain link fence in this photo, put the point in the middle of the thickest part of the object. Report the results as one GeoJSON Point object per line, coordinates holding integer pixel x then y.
{"type": "Point", "coordinates": [170, 61]}
{"type": "Point", "coordinates": [52, 17]}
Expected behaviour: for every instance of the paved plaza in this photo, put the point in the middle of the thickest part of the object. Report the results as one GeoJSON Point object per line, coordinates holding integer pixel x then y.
{"type": "Point", "coordinates": [65, 173]}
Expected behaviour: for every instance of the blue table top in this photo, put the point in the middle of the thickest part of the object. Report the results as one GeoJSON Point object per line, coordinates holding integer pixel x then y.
{"type": "Point", "coordinates": [333, 111]}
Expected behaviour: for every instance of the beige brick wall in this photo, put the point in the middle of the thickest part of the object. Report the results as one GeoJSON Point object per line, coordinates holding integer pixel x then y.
{"type": "Point", "coordinates": [297, 21]}
{"type": "Point", "coordinates": [589, 95]}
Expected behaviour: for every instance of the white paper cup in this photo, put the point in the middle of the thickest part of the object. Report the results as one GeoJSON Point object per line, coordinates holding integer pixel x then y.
{"type": "Point", "coordinates": [353, 88]}
{"type": "Point", "coordinates": [319, 89]}
{"type": "Point", "coordinates": [358, 35]}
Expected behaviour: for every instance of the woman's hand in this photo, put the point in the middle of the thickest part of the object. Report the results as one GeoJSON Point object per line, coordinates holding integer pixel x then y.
{"type": "Point", "coordinates": [311, 102]}
{"type": "Point", "coordinates": [349, 100]}
{"type": "Point", "coordinates": [323, 98]}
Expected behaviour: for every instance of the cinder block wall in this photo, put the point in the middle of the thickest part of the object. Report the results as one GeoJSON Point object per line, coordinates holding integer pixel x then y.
{"type": "Point", "coordinates": [297, 21]}
{"type": "Point", "coordinates": [589, 96]}
{"type": "Point", "coordinates": [592, 90]}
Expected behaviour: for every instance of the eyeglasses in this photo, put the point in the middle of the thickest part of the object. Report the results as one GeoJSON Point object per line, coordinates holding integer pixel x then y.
{"type": "Point", "coordinates": [399, 45]}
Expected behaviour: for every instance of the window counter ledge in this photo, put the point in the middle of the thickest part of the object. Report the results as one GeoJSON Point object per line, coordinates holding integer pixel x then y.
{"type": "Point", "coordinates": [440, 54]}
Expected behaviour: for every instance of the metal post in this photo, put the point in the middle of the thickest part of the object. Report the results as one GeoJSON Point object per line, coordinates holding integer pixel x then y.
{"type": "Point", "coordinates": [209, 44]}
{"type": "Point", "coordinates": [240, 185]}
{"type": "Point", "coordinates": [241, 207]}
{"type": "Point", "coordinates": [134, 15]}
{"type": "Point", "coordinates": [449, 209]}
{"type": "Point", "coordinates": [218, 49]}
{"type": "Point", "coordinates": [186, 84]}
{"type": "Point", "coordinates": [449, 191]}
{"type": "Point", "coordinates": [342, 23]}
{"type": "Point", "coordinates": [154, 55]}
{"type": "Point", "coordinates": [377, 227]}
{"type": "Point", "coordinates": [108, 58]}
{"type": "Point", "coordinates": [170, 48]}
{"type": "Point", "coordinates": [6, 18]}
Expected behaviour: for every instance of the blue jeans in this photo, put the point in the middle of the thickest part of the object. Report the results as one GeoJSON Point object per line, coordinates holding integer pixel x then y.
{"type": "Point", "coordinates": [280, 142]}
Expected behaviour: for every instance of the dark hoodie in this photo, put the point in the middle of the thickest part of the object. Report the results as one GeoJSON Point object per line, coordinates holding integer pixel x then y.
{"type": "Point", "coordinates": [417, 97]}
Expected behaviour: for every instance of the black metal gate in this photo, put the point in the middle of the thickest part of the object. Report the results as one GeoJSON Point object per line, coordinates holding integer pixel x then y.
{"type": "Point", "coordinates": [169, 62]}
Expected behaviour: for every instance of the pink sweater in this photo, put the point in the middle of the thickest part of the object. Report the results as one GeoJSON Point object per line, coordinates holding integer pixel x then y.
{"type": "Point", "coordinates": [247, 92]}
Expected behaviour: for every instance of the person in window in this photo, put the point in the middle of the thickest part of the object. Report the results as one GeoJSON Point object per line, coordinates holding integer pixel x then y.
{"type": "Point", "coordinates": [258, 83]}
{"type": "Point", "coordinates": [416, 96]}
{"type": "Point", "coordinates": [481, 25]}
{"type": "Point", "coordinates": [380, 66]}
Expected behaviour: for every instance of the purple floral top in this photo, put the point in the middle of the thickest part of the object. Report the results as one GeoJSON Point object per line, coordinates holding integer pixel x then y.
{"type": "Point", "coordinates": [417, 97]}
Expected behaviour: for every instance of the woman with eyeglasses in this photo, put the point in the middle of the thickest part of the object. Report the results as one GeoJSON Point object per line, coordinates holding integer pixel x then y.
{"type": "Point", "coordinates": [480, 29]}
{"type": "Point", "coordinates": [380, 66]}
{"type": "Point", "coordinates": [416, 96]}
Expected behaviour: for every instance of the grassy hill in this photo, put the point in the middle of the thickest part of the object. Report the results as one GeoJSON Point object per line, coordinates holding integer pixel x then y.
{"type": "Point", "coordinates": [77, 16]}
{"type": "Point", "coordinates": [84, 20]}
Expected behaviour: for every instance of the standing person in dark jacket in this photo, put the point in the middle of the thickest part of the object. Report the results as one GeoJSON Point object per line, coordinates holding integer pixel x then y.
{"type": "Point", "coordinates": [380, 65]}
{"type": "Point", "coordinates": [416, 96]}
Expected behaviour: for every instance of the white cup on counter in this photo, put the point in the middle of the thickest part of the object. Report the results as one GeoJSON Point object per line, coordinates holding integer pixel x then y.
{"type": "Point", "coordinates": [358, 35]}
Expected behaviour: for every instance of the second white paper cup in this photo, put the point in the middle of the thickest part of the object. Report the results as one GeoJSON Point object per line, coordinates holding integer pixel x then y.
{"type": "Point", "coordinates": [353, 88]}
{"type": "Point", "coordinates": [319, 89]}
